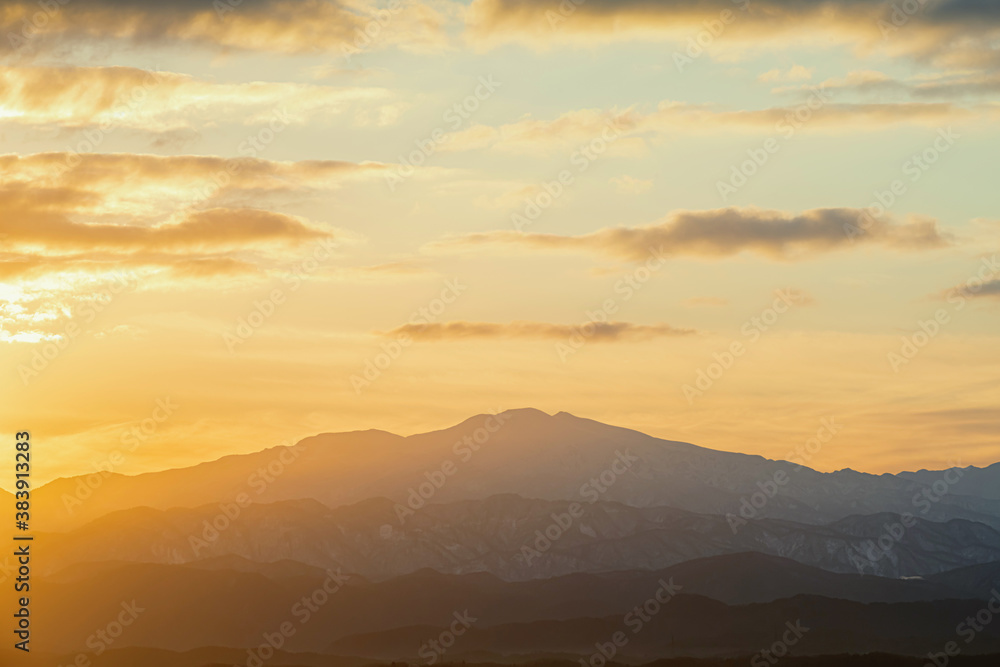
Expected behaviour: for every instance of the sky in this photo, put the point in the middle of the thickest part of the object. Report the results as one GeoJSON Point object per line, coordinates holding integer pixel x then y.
{"type": "Point", "coordinates": [229, 225]}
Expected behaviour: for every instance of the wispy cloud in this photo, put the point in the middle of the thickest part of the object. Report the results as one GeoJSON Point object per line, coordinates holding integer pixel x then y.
{"type": "Point", "coordinates": [726, 232]}
{"type": "Point", "coordinates": [630, 185]}
{"type": "Point", "coordinates": [572, 128]}
{"type": "Point", "coordinates": [315, 26]}
{"type": "Point", "coordinates": [129, 184]}
{"type": "Point", "coordinates": [937, 85]}
{"type": "Point", "coordinates": [166, 101]}
{"type": "Point", "coordinates": [95, 213]}
{"type": "Point", "coordinates": [795, 73]}
{"type": "Point", "coordinates": [601, 331]}
{"type": "Point", "coordinates": [952, 32]}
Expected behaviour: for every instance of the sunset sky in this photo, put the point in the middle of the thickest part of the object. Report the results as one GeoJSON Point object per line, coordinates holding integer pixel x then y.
{"type": "Point", "coordinates": [275, 226]}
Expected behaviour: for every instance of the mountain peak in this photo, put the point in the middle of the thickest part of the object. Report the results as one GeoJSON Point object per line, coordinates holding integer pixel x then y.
{"type": "Point", "coordinates": [527, 413]}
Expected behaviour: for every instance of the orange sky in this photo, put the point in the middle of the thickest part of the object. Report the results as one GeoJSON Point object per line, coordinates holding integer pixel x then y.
{"type": "Point", "coordinates": [710, 222]}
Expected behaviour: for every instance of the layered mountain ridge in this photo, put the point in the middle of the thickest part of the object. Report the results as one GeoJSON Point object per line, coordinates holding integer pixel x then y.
{"type": "Point", "coordinates": [549, 530]}
{"type": "Point", "coordinates": [514, 539]}
{"type": "Point", "coordinates": [534, 455]}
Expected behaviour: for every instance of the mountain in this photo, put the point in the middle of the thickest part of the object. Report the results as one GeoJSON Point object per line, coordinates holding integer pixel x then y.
{"type": "Point", "coordinates": [548, 529]}
{"type": "Point", "coordinates": [227, 657]}
{"type": "Point", "coordinates": [966, 580]}
{"type": "Point", "coordinates": [183, 607]}
{"type": "Point", "coordinates": [747, 578]}
{"type": "Point", "coordinates": [692, 625]}
{"type": "Point", "coordinates": [213, 656]}
{"type": "Point", "coordinates": [981, 482]}
{"type": "Point", "coordinates": [278, 570]}
{"type": "Point", "coordinates": [524, 452]}
{"type": "Point", "coordinates": [505, 536]}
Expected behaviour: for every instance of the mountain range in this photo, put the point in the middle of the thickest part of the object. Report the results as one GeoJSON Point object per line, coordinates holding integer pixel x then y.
{"type": "Point", "coordinates": [528, 453]}
{"type": "Point", "coordinates": [549, 530]}
{"type": "Point", "coordinates": [233, 603]}
{"type": "Point", "coordinates": [509, 537]}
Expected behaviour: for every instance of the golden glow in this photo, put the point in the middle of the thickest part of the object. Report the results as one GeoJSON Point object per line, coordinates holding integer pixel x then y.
{"type": "Point", "coordinates": [243, 211]}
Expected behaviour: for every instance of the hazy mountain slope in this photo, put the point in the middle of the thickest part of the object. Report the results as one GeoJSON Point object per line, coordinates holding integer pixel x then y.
{"type": "Point", "coordinates": [498, 535]}
{"type": "Point", "coordinates": [984, 577]}
{"type": "Point", "coordinates": [531, 454]}
{"type": "Point", "coordinates": [747, 578]}
{"type": "Point", "coordinates": [282, 569]}
{"type": "Point", "coordinates": [184, 607]}
{"type": "Point", "coordinates": [981, 482]}
{"type": "Point", "coordinates": [691, 625]}
{"type": "Point", "coordinates": [177, 608]}
{"type": "Point", "coordinates": [204, 657]}
{"type": "Point", "coordinates": [342, 461]}
{"type": "Point", "coordinates": [228, 657]}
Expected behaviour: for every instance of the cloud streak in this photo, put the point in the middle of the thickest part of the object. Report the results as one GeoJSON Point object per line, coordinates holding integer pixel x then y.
{"type": "Point", "coordinates": [596, 331]}
{"type": "Point", "coordinates": [530, 135]}
{"type": "Point", "coordinates": [276, 26]}
{"type": "Point", "coordinates": [941, 85]}
{"type": "Point", "coordinates": [727, 232]}
{"type": "Point", "coordinates": [182, 216]}
{"type": "Point", "coordinates": [78, 97]}
{"type": "Point", "coordinates": [955, 32]}
{"type": "Point", "coordinates": [208, 230]}
{"type": "Point", "coordinates": [127, 184]}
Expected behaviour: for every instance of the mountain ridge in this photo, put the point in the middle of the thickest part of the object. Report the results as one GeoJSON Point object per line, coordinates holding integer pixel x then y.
{"type": "Point", "coordinates": [188, 605]}
{"type": "Point", "coordinates": [526, 452]}
{"type": "Point", "coordinates": [504, 535]}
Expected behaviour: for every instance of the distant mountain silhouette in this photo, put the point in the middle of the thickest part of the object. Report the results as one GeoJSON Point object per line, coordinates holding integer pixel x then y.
{"type": "Point", "coordinates": [186, 606]}
{"type": "Point", "coordinates": [283, 569]}
{"type": "Point", "coordinates": [211, 656]}
{"type": "Point", "coordinates": [500, 535]}
{"type": "Point", "coordinates": [524, 452]}
{"type": "Point", "coordinates": [967, 580]}
{"type": "Point", "coordinates": [548, 529]}
{"type": "Point", "coordinates": [692, 625]}
{"type": "Point", "coordinates": [980, 482]}
{"type": "Point", "coordinates": [227, 657]}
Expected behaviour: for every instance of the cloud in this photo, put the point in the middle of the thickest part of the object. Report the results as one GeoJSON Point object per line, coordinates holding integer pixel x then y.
{"type": "Point", "coordinates": [111, 97]}
{"type": "Point", "coordinates": [985, 284]}
{"type": "Point", "coordinates": [534, 135]}
{"type": "Point", "coordinates": [182, 216]}
{"type": "Point", "coordinates": [727, 232]}
{"type": "Point", "coordinates": [279, 26]}
{"type": "Point", "coordinates": [123, 184]}
{"type": "Point", "coordinates": [579, 127]}
{"type": "Point", "coordinates": [72, 222]}
{"type": "Point", "coordinates": [595, 331]}
{"type": "Point", "coordinates": [43, 238]}
{"type": "Point", "coordinates": [210, 230]}
{"type": "Point", "coordinates": [989, 289]}
{"type": "Point", "coordinates": [940, 85]}
{"type": "Point", "coordinates": [629, 185]}
{"type": "Point", "coordinates": [335, 71]}
{"type": "Point", "coordinates": [796, 73]}
{"type": "Point", "coordinates": [950, 32]}
{"type": "Point", "coordinates": [74, 268]}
